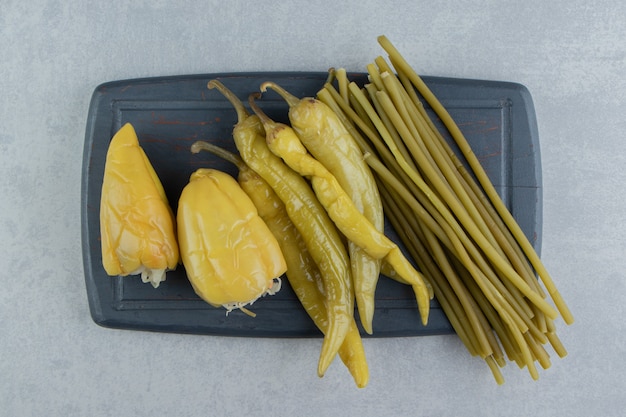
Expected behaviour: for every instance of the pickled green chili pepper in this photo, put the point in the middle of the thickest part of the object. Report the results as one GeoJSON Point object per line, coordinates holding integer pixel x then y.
{"type": "Point", "coordinates": [322, 238]}
{"type": "Point", "coordinates": [302, 272]}
{"type": "Point", "coordinates": [324, 135]}
{"type": "Point", "coordinates": [284, 142]}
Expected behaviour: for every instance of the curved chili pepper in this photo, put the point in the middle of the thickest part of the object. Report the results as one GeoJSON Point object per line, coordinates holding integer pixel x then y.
{"type": "Point", "coordinates": [230, 255]}
{"type": "Point", "coordinates": [302, 272]}
{"type": "Point", "coordinates": [137, 226]}
{"type": "Point", "coordinates": [284, 142]}
{"type": "Point", "coordinates": [325, 136]}
{"type": "Point", "coordinates": [321, 236]}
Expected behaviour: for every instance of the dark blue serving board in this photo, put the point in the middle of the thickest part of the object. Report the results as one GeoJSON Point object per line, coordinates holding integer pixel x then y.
{"type": "Point", "coordinates": [170, 113]}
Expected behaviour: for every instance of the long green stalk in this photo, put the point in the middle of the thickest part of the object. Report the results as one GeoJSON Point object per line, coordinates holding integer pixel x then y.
{"type": "Point", "coordinates": [399, 62]}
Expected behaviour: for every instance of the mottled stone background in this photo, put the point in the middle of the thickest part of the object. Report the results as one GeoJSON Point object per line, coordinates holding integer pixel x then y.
{"type": "Point", "coordinates": [54, 361]}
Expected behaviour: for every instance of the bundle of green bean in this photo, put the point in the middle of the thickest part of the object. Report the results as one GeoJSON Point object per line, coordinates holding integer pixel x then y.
{"type": "Point", "coordinates": [482, 268]}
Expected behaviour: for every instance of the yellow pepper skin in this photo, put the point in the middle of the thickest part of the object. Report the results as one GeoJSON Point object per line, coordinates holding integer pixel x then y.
{"type": "Point", "coordinates": [302, 273]}
{"type": "Point", "coordinates": [326, 138]}
{"type": "Point", "coordinates": [137, 225]}
{"type": "Point", "coordinates": [230, 255]}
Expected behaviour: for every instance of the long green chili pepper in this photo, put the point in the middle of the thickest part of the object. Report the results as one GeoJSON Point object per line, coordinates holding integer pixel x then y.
{"type": "Point", "coordinates": [324, 135]}
{"type": "Point", "coordinates": [283, 141]}
{"type": "Point", "coordinates": [322, 238]}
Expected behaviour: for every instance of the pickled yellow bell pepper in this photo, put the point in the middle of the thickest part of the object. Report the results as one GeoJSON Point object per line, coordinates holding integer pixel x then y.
{"type": "Point", "coordinates": [230, 255]}
{"type": "Point", "coordinates": [137, 225]}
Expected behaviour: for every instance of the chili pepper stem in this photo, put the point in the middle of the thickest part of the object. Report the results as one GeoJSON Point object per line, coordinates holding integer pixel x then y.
{"type": "Point", "coordinates": [242, 113]}
{"type": "Point", "coordinates": [268, 123]}
{"type": "Point", "coordinates": [198, 146]}
{"type": "Point", "coordinates": [286, 95]}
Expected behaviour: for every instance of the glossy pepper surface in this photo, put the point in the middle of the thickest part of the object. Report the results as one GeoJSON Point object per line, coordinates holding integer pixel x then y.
{"type": "Point", "coordinates": [326, 138]}
{"type": "Point", "coordinates": [230, 255]}
{"type": "Point", "coordinates": [137, 225]}
{"type": "Point", "coordinates": [302, 272]}
{"type": "Point", "coordinates": [285, 143]}
{"type": "Point", "coordinates": [322, 238]}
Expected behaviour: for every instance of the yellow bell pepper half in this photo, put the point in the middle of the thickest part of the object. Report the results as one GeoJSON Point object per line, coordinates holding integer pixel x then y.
{"type": "Point", "coordinates": [230, 255]}
{"type": "Point", "coordinates": [137, 225]}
